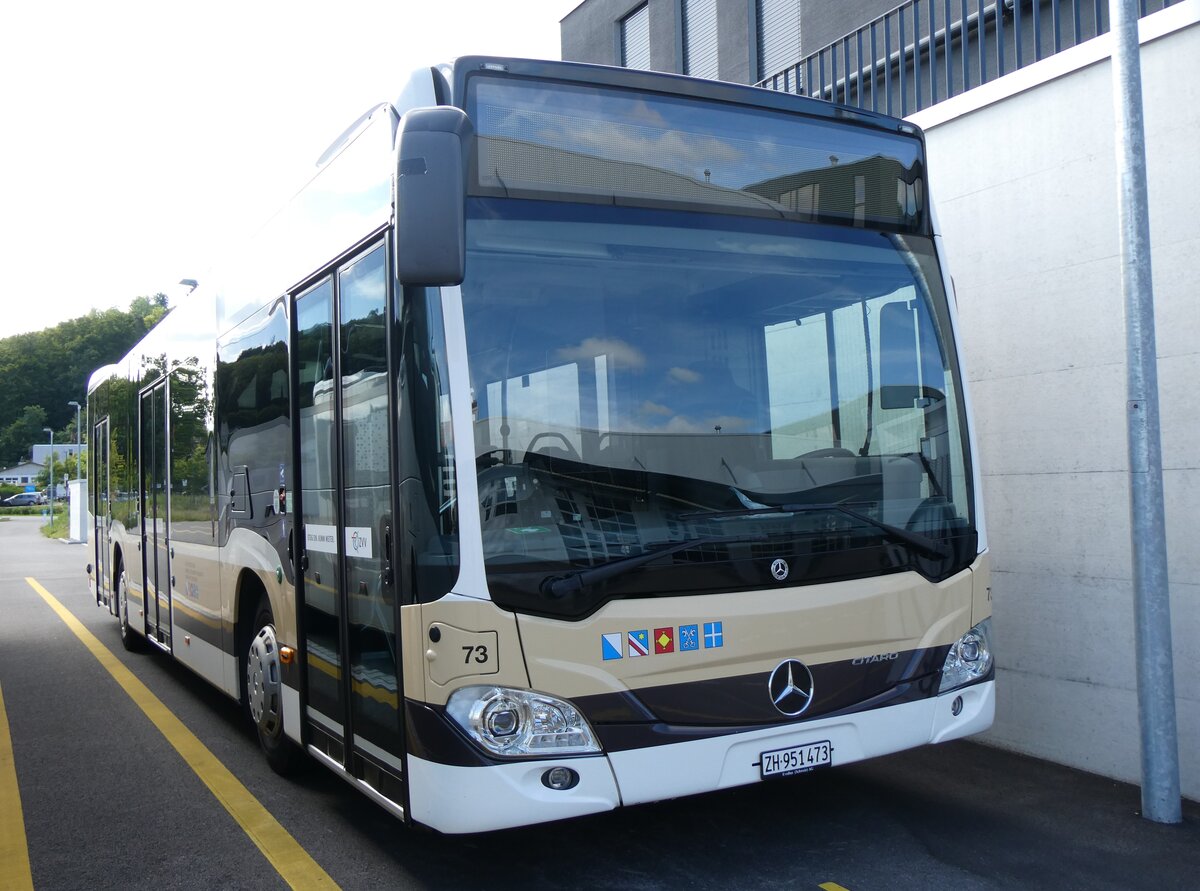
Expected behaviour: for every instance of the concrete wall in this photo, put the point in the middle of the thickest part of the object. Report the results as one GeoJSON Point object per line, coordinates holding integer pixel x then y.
{"type": "Point", "coordinates": [737, 41]}
{"type": "Point", "coordinates": [590, 34]}
{"type": "Point", "coordinates": [823, 23]}
{"type": "Point", "coordinates": [1023, 174]}
{"type": "Point", "coordinates": [589, 31]}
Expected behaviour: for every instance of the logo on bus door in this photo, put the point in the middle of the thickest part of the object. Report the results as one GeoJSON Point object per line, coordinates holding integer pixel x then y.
{"type": "Point", "coordinates": [358, 541]}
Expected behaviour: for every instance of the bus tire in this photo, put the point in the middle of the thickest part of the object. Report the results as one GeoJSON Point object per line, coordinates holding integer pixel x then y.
{"type": "Point", "coordinates": [264, 693]}
{"type": "Point", "coordinates": [130, 640]}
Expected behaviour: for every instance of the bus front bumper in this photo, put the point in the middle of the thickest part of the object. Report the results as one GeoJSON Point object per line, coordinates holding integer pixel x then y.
{"type": "Point", "coordinates": [456, 799]}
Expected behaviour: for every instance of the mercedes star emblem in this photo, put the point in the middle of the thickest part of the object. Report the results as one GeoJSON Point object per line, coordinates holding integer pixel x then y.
{"type": "Point", "coordinates": [779, 569]}
{"type": "Point", "coordinates": [791, 687]}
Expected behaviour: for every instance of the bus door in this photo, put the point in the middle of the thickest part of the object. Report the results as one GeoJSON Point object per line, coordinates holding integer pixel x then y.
{"type": "Point", "coordinates": [155, 556]}
{"type": "Point", "coordinates": [101, 513]}
{"type": "Point", "coordinates": [348, 590]}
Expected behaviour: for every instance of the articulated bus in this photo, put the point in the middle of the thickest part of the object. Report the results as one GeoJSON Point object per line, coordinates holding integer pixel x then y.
{"type": "Point", "coordinates": [576, 437]}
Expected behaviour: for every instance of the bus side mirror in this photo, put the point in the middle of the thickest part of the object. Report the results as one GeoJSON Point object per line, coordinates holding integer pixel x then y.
{"type": "Point", "coordinates": [429, 196]}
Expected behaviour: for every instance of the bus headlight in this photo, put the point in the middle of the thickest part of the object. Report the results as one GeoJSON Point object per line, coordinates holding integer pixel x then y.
{"type": "Point", "coordinates": [969, 659]}
{"type": "Point", "coordinates": [512, 722]}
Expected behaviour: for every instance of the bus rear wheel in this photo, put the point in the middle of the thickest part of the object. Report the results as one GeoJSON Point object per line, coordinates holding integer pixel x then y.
{"type": "Point", "coordinates": [130, 640]}
{"type": "Point", "coordinates": [264, 693]}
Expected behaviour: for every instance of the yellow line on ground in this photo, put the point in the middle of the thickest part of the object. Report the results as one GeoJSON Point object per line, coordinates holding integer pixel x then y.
{"type": "Point", "coordinates": [292, 862]}
{"type": "Point", "coordinates": [831, 886]}
{"type": "Point", "coordinates": [14, 849]}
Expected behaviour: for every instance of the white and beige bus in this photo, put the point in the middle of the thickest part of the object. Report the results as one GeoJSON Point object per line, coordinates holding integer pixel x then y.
{"type": "Point", "coordinates": [577, 437]}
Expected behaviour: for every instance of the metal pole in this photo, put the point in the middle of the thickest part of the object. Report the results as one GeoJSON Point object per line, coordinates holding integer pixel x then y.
{"type": "Point", "coordinates": [1152, 606]}
{"type": "Point", "coordinates": [51, 432]}
{"type": "Point", "coordinates": [78, 441]}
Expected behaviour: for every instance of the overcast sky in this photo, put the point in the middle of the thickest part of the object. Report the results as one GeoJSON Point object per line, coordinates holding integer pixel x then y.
{"type": "Point", "coordinates": [138, 139]}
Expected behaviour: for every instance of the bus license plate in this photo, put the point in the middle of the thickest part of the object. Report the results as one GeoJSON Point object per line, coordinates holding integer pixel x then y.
{"type": "Point", "coordinates": [797, 759]}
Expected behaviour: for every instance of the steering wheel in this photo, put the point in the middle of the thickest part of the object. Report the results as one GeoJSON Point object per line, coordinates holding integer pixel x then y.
{"type": "Point", "coordinates": [555, 434]}
{"type": "Point", "coordinates": [834, 452]}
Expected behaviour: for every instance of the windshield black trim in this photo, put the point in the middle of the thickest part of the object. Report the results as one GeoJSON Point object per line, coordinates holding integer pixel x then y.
{"type": "Point", "coordinates": [468, 67]}
{"type": "Point", "coordinates": [923, 543]}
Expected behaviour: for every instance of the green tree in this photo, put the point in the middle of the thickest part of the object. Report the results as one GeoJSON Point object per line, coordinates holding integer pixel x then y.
{"type": "Point", "coordinates": [52, 367]}
{"type": "Point", "coordinates": [21, 434]}
{"type": "Point", "coordinates": [150, 310]}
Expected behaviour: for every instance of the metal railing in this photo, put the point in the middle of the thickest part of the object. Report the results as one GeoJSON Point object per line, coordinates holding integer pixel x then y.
{"type": "Point", "coordinates": [925, 51]}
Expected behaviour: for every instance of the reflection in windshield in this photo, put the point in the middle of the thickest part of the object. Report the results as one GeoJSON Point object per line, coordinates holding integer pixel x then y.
{"type": "Point", "coordinates": [628, 379]}
{"type": "Point", "coordinates": [538, 140]}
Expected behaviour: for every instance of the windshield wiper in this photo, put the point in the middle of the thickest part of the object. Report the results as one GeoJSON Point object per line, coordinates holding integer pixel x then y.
{"type": "Point", "coordinates": [923, 543]}
{"type": "Point", "coordinates": [558, 586]}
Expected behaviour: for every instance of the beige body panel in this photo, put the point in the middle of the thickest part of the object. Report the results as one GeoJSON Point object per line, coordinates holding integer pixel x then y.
{"type": "Point", "coordinates": [247, 550]}
{"type": "Point", "coordinates": [832, 622]}
{"type": "Point", "coordinates": [196, 583]}
{"type": "Point", "coordinates": [196, 610]}
{"type": "Point", "coordinates": [817, 624]}
{"type": "Point", "coordinates": [444, 665]}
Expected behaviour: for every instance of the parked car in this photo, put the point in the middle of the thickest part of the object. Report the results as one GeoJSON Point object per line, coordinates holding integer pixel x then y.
{"type": "Point", "coordinates": [22, 499]}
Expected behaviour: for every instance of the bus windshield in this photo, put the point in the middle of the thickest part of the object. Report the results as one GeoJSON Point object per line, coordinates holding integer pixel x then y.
{"type": "Point", "coordinates": [705, 403]}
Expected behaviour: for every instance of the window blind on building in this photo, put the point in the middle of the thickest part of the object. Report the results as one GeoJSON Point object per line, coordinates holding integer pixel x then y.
{"type": "Point", "coordinates": [700, 38]}
{"type": "Point", "coordinates": [635, 38]}
{"type": "Point", "coordinates": [778, 36]}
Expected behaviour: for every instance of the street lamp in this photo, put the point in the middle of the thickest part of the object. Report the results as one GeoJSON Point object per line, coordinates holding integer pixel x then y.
{"type": "Point", "coordinates": [51, 432]}
{"type": "Point", "coordinates": [78, 442]}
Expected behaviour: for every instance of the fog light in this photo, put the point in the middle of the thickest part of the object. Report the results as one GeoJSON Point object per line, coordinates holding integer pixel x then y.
{"type": "Point", "coordinates": [956, 706]}
{"type": "Point", "coordinates": [560, 778]}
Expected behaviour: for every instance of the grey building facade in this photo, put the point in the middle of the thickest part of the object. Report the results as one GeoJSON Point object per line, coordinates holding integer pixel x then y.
{"type": "Point", "coordinates": [879, 54]}
{"type": "Point", "coordinates": [753, 39]}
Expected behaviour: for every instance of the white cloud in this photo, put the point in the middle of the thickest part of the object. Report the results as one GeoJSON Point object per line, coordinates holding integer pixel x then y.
{"type": "Point", "coordinates": [684, 375]}
{"type": "Point", "coordinates": [618, 352]}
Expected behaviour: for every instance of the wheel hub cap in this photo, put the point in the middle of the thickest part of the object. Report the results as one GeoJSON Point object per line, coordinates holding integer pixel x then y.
{"type": "Point", "coordinates": [262, 681]}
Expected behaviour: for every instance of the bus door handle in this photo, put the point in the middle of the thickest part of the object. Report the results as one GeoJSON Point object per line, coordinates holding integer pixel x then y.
{"type": "Point", "coordinates": [303, 550]}
{"type": "Point", "coordinates": [387, 556]}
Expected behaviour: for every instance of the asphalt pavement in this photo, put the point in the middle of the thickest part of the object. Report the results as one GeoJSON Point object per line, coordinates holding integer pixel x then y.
{"type": "Point", "coordinates": [106, 803]}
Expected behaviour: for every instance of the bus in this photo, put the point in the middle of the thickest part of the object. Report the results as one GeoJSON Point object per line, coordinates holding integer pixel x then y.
{"type": "Point", "coordinates": [577, 437]}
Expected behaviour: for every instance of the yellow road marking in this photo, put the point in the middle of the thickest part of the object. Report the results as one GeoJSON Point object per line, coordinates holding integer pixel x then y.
{"type": "Point", "coordinates": [14, 849]}
{"type": "Point", "coordinates": [293, 863]}
{"type": "Point", "coordinates": [831, 886]}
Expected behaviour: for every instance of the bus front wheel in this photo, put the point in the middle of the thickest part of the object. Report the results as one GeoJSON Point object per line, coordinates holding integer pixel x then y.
{"type": "Point", "coordinates": [264, 693]}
